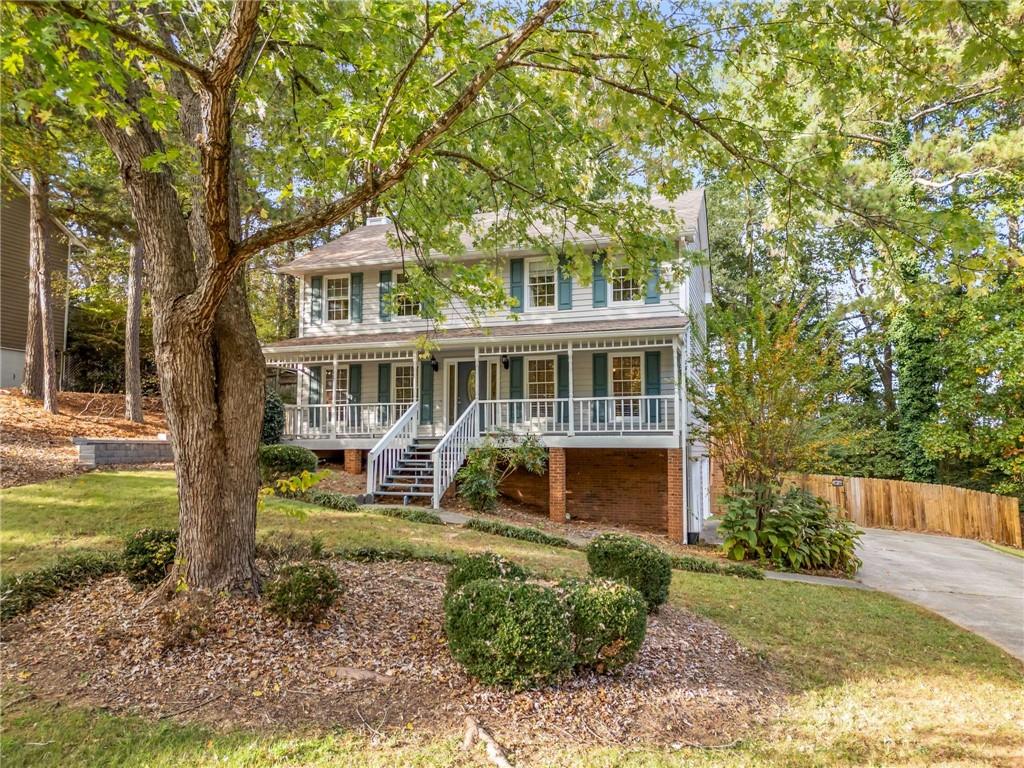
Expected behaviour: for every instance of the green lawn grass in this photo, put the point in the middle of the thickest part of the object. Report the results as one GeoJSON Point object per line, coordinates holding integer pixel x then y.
{"type": "Point", "coordinates": [875, 681]}
{"type": "Point", "coordinates": [1004, 548]}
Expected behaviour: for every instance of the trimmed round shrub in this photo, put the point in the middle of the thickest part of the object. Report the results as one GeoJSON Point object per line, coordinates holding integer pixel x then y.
{"type": "Point", "coordinates": [509, 633]}
{"type": "Point", "coordinates": [149, 555]}
{"type": "Point", "coordinates": [273, 418]}
{"type": "Point", "coordinates": [608, 620]}
{"type": "Point", "coordinates": [277, 461]}
{"type": "Point", "coordinates": [302, 592]}
{"type": "Point", "coordinates": [485, 566]}
{"type": "Point", "coordinates": [634, 562]}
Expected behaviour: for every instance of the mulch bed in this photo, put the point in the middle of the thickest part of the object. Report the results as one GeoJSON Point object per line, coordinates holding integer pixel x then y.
{"type": "Point", "coordinates": [35, 446]}
{"type": "Point", "coordinates": [379, 665]}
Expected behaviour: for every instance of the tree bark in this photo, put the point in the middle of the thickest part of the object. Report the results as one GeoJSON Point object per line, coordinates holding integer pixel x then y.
{"type": "Point", "coordinates": [132, 327]}
{"type": "Point", "coordinates": [32, 374]}
{"type": "Point", "coordinates": [40, 262]}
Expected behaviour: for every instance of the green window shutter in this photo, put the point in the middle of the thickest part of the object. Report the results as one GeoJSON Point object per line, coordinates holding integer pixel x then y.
{"type": "Point", "coordinates": [515, 378]}
{"type": "Point", "coordinates": [652, 372]}
{"type": "Point", "coordinates": [653, 289]}
{"type": "Point", "coordinates": [384, 290]}
{"type": "Point", "coordinates": [516, 283]}
{"type": "Point", "coordinates": [355, 382]}
{"type": "Point", "coordinates": [384, 382]}
{"type": "Point", "coordinates": [316, 300]}
{"type": "Point", "coordinates": [600, 284]}
{"type": "Point", "coordinates": [315, 379]}
{"type": "Point", "coordinates": [356, 306]}
{"type": "Point", "coordinates": [564, 285]}
{"type": "Point", "coordinates": [599, 412]}
{"type": "Point", "coordinates": [562, 387]}
{"type": "Point", "coordinates": [426, 392]}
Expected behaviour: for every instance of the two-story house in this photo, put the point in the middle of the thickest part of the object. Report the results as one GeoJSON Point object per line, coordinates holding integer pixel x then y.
{"type": "Point", "coordinates": [599, 372]}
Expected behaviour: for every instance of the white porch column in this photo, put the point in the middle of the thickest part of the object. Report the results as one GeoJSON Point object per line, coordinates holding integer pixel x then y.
{"type": "Point", "coordinates": [476, 376]}
{"type": "Point", "coordinates": [334, 397]}
{"type": "Point", "coordinates": [677, 385]}
{"type": "Point", "coordinates": [572, 409]}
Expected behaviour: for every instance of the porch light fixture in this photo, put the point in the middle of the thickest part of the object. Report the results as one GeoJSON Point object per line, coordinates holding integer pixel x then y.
{"type": "Point", "coordinates": [434, 365]}
{"type": "Point", "coordinates": [504, 362]}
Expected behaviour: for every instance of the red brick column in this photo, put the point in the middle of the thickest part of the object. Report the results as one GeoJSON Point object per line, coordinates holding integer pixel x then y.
{"type": "Point", "coordinates": [556, 484]}
{"type": "Point", "coordinates": [675, 514]}
{"type": "Point", "coordinates": [353, 460]}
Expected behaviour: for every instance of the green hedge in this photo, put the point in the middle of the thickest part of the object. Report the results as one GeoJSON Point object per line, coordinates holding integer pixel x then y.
{"type": "Point", "coordinates": [608, 622]}
{"type": "Point", "coordinates": [277, 461]}
{"type": "Point", "coordinates": [485, 566]}
{"type": "Point", "coordinates": [496, 528]}
{"type": "Point", "coordinates": [302, 592]}
{"type": "Point", "coordinates": [149, 555]}
{"type": "Point", "coordinates": [330, 499]}
{"type": "Point", "coordinates": [509, 633]}
{"type": "Point", "coordinates": [412, 514]}
{"type": "Point", "coordinates": [19, 594]}
{"type": "Point", "coordinates": [704, 565]}
{"type": "Point", "coordinates": [273, 418]}
{"type": "Point", "coordinates": [634, 562]}
{"type": "Point", "coordinates": [385, 554]}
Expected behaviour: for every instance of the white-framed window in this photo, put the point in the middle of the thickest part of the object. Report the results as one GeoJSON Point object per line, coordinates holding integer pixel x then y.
{"type": "Point", "coordinates": [540, 378]}
{"type": "Point", "coordinates": [339, 298]}
{"type": "Point", "coordinates": [627, 383]}
{"type": "Point", "coordinates": [404, 306]}
{"type": "Point", "coordinates": [541, 284]}
{"type": "Point", "coordinates": [332, 394]}
{"type": "Point", "coordinates": [622, 287]}
{"type": "Point", "coordinates": [405, 384]}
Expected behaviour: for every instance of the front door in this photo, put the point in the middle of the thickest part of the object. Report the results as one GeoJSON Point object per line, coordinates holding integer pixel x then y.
{"type": "Point", "coordinates": [465, 388]}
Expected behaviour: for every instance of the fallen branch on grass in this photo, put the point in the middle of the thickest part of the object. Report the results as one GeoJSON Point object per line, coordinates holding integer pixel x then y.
{"type": "Point", "coordinates": [476, 732]}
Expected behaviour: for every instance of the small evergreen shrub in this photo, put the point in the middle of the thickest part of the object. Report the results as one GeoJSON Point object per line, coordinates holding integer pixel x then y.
{"type": "Point", "coordinates": [799, 531]}
{"type": "Point", "coordinates": [284, 546]}
{"type": "Point", "coordinates": [509, 633]}
{"type": "Point", "coordinates": [20, 594]}
{"type": "Point", "coordinates": [522, 533]}
{"type": "Point", "coordinates": [704, 565]}
{"type": "Point", "coordinates": [634, 562]}
{"type": "Point", "coordinates": [302, 592]}
{"type": "Point", "coordinates": [412, 514]}
{"type": "Point", "coordinates": [330, 499]}
{"type": "Point", "coordinates": [608, 620]}
{"type": "Point", "coordinates": [273, 418]}
{"type": "Point", "coordinates": [278, 461]}
{"type": "Point", "coordinates": [186, 618]}
{"type": "Point", "coordinates": [149, 554]}
{"type": "Point", "coordinates": [485, 566]}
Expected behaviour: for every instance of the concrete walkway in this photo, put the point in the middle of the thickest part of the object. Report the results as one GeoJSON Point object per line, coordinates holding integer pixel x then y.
{"type": "Point", "coordinates": [970, 584]}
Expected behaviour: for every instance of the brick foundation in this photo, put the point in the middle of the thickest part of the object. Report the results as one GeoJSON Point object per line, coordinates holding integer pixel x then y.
{"type": "Point", "coordinates": [353, 460]}
{"type": "Point", "coordinates": [618, 486]}
{"type": "Point", "coordinates": [557, 484]}
{"type": "Point", "coordinates": [527, 488]}
{"type": "Point", "coordinates": [676, 519]}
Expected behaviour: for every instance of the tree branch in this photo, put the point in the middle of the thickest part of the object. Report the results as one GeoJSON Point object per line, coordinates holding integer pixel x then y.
{"type": "Point", "coordinates": [124, 33]}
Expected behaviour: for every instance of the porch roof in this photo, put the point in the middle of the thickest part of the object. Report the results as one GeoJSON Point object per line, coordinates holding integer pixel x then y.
{"type": "Point", "coordinates": [455, 336]}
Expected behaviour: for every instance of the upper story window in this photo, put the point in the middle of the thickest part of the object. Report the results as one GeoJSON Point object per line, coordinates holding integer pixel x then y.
{"type": "Point", "coordinates": [339, 298]}
{"type": "Point", "coordinates": [542, 285]}
{"type": "Point", "coordinates": [624, 288]}
{"type": "Point", "coordinates": [404, 306]}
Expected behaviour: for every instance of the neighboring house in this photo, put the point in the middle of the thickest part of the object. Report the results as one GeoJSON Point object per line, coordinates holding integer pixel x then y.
{"type": "Point", "coordinates": [14, 270]}
{"type": "Point", "coordinates": [597, 371]}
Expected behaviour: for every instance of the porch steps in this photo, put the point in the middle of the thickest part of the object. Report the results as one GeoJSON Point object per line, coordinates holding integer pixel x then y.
{"type": "Point", "coordinates": [413, 476]}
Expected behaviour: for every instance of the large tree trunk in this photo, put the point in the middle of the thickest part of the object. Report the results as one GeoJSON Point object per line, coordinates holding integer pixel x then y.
{"type": "Point", "coordinates": [132, 326]}
{"type": "Point", "coordinates": [42, 322]}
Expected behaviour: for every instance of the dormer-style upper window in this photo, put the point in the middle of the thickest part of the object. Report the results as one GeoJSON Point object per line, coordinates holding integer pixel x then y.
{"type": "Point", "coordinates": [338, 298]}
{"type": "Point", "coordinates": [542, 285]}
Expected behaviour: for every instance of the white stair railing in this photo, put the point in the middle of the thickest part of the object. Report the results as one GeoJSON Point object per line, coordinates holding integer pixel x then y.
{"type": "Point", "coordinates": [389, 449]}
{"type": "Point", "coordinates": [453, 449]}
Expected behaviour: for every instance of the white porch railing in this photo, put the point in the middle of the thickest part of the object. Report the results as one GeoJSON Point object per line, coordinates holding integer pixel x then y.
{"type": "Point", "coordinates": [590, 415]}
{"type": "Point", "coordinates": [389, 449]}
{"type": "Point", "coordinates": [311, 422]}
{"type": "Point", "coordinates": [449, 454]}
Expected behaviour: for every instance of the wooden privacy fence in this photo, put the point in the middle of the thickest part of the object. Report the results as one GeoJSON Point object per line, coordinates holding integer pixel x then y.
{"type": "Point", "coordinates": [919, 507]}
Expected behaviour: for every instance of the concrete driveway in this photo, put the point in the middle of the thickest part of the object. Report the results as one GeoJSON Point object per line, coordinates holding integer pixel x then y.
{"type": "Point", "coordinates": [970, 584]}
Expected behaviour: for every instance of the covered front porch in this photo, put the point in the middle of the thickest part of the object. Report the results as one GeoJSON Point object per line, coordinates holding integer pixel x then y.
{"type": "Point", "coordinates": [622, 389]}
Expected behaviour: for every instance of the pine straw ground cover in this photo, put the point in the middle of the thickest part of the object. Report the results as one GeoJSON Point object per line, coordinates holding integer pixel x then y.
{"type": "Point", "coordinates": [36, 446]}
{"type": "Point", "coordinates": [378, 666]}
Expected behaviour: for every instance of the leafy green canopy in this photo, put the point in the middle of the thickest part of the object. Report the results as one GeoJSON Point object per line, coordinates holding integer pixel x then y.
{"type": "Point", "coordinates": [604, 102]}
